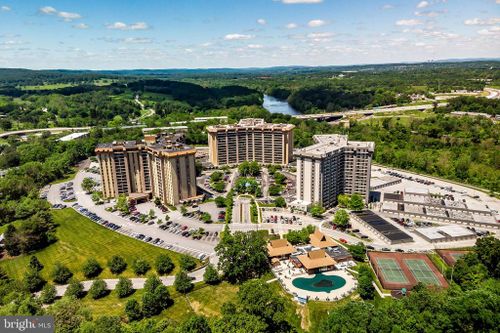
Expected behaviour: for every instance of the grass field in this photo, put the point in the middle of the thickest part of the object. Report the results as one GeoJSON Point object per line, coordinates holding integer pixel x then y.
{"type": "Point", "coordinates": [80, 239]}
{"type": "Point", "coordinates": [48, 86]}
{"type": "Point", "coordinates": [204, 299]}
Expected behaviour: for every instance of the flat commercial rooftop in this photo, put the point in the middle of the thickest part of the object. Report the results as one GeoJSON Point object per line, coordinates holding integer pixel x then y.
{"type": "Point", "coordinates": [448, 231]}
{"type": "Point", "coordinates": [74, 136]}
{"type": "Point", "coordinates": [393, 234]}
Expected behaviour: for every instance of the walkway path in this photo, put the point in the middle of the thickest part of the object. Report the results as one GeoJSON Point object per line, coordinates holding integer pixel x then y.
{"type": "Point", "coordinates": [137, 283]}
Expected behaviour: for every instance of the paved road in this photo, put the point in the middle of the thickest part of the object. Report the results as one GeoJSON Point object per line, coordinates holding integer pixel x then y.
{"type": "Point", "coordinates": [492, 93]}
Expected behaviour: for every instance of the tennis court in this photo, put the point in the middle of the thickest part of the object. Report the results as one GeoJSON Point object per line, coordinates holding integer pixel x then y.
{"type": "Point", "coordinates": [391, 270]}
{"type": "Point", "coordinates": [422, 272]}
{"type": "Point", "coordinates": [404, 270]}
{"type": "Point", "coordinates": [450, 257]}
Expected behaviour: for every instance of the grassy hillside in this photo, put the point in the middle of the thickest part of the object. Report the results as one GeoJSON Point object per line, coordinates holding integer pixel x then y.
{"type": "Point", "coordinates": [80, 239]}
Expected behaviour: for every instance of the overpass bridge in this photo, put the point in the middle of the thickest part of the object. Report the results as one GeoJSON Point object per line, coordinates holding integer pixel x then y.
{"type": "Point", "coordinates": [366, 112]}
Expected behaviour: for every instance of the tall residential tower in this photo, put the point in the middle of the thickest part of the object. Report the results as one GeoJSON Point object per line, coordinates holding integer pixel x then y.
{"type": "Point", "coordinates": [250, 140]}
{"type": "Point", "coordinates": [332, 166]}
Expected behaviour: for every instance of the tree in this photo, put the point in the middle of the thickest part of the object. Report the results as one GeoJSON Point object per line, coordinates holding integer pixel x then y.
{"type": "Point", "coordinates": [343, 200]}
{"type": "Point", "coordinates": [183, 282]}
{"type": "Point", "coordinates": [220, 202]}
{"type": "Point", "coordinates": [140, 266]}
{"type": "Point", "coordinates": [122, 204]}
{"type": "Point", "coordinates": [150, 307]}
{"type": "Point", "coordinates": [195, 324]}
{"type": "Point", "coordinates": [275, 190]}
{"type": "Point", "coordinates": [33, 281]}
{"type": "Point", "coordinates": [356, 202]}
{"type": "Point", "coordinates": [152, 282]}
{"type": "Point", "coordinates": [279, 178]}
{"type": "Point", "coordinates": [341, 219]}
{"type": "Point", "coordinates": [48, 294]}
{"type": "Point", "coordinates": [61, 274]}
{"type": "Point", "coordinates": [133, 310]}
{"type": "Point", "coordinates": [316, 210]}
{"type": "Point", "coordinates": [75, 289]}
{"type": "Point", "coordinates": [162, 296]}
{"type": "Point", "coordinates": [183, 210]}
{"type": "Point", "coordinates": [35, 264]}
{"type": "Point", "coordinates": [91, 268]}
{"type": "Point", "coordinates": [279, 202]}
{"type": "Point", "coordinates": [108, 324]}
{"type": "Point", "coordinates": [88, 184]}
{"type": "Point", "coordinates": [186, 262]}
{"type": "Point", "coordinates": [151, 214]}
{"type": "Point", "coordinates": [117, 264]}
{"type": "Point", "coordinates": [164, 264]}
{"type": "Point", "coordinates": [216, 176]}
{"type": "Point", "coordinates": [488, 252]}
{"type": "Point", "coordinates": [366, 289]}
{"type": "Point", "coordinates": [358, 251]}
{"type": "Point", "coordinates": [98, 289]}
{"type": "Point", "coordinates": [68, 315]}
{"type": "Point", "coordinates": [211, 276]}
{"type": "Point", "coordinates": [124, 287]}
{"type": "Point", "coordinates": [249, 245]}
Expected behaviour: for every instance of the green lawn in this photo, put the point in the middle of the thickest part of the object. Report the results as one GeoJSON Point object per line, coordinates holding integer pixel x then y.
{"type": "Point", "coordinates": [48, 86]}
{"type": "Point", "coordinates": [204, 299]}
{"type": "Point", "coordinates": [80, 239]}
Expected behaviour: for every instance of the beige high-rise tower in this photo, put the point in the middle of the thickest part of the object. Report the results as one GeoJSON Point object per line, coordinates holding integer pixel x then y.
{"type": "Point", "coordinates": [158, 169]}
{"type": "Point", "coordinates": [250, 140]}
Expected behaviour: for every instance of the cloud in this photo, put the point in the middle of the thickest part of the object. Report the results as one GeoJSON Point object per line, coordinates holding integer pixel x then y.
{"type": "Point", "coordinates": [237, 37]}
{"type": "Point", "coordinates": [387, 6]}
{"type": "Point", "coordinates": [81, 26]}
{"type": "Point", "coordinates": [423, 4]}
{"type": "Point", "coordinates": [66, 16]}
{"type": "Point", "coordinates": [430, 13]}
{"type": "Point", "coordinates": [410, 22]}
{"type": "Point", "coordinates": [255, 46]}
{"type": "Point", "coordinates": [320, 36]}
{"type": "Point", "coordinates": [316, 23]}
{"type": "Point", "coordinates": [124, 26]}
{"type": "Point", "coordinates": [261, 21]}
{"type": "Point", "coordinates": [291, 25]}
{"type": "Point", "coordinates": [5, 9]}
{"type": "Point", "coordinates": [137, 40]}
{"type": "Point", "coordinates": [293, 2]}
{"type": "Point", "coordinates": [48, 10]}
{"type": "Point", "coordinates": [478, 21]}
{"type": "Point", "coordinates": [490, 31]}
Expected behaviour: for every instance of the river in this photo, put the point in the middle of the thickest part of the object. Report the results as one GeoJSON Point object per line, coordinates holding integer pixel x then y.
{"type": "Point", "coordinates": [275, 105]}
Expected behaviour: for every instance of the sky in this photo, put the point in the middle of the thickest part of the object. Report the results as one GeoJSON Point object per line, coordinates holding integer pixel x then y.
{"type": "Point", "coordinates": [127, 34]}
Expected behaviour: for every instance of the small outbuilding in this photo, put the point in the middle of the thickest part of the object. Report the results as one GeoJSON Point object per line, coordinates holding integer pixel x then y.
{"type": "Point", "coordinates": [320, 240]}
{"type": "Point", "coordinates": [317, 261]}
{"type": "Point", "coordinates": [280, 249]}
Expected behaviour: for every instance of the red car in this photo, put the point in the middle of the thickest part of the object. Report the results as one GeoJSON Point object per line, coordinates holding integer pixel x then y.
{"type": "Point", "coordinates": [343, 240]}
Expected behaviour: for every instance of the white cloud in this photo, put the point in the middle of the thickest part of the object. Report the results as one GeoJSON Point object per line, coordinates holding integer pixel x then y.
{"type": "Point", "coordinates": [292, 2]}
{"type": "Point", "coordinates": [255, 46]}
{"type": "Point", "coordinates": [316, 23]}
{"type": "Point", "coordinates": [387, 6]}
{"type": "Point", "coordinates": [478, 21]}
{"type": "Point", "coordinates": [69, 16]}
{"type": "Point", "coordinates": [410, 22]}
{"type": "Point", "coordinates": [320, 36]}
{"type": "Point", "coordinates": [81, 26]}
{"type": "Point", "coordinates": [430, 13]}
{"type": "Point", "coordinates": [291, 25]}
{"type": "Point", "coordinates": [423, 4]}
{"type": "Point", "coordinates": [237, 37]}
{"type": "Point", "coordinates": [124, 26]}
{"type": "Point", "coordinates": [5, 8]}
{"type": "Point", "coordinates": [137, 40]}
{"type": "Point", "coordinates": [48, 10]}
{"type": "Point", "coordinates": [490, 31]}
{"type": "Point", "coordinates": [261, 21]}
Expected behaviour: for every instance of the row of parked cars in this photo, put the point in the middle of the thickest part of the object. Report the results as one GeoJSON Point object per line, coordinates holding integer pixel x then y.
{"type": "Point", "coordinates": [184, 230]}
{"type": "Point", "coordinates": [148, 239]}
{"type": "Point", "coordinates": [96, 218]}
{"type": "Point", "coordinates": [283, 219]}
{"type": "Point", "coordinates": [66, 192]}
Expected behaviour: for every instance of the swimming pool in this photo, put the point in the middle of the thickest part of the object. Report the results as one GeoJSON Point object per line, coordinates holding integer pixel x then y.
{"type": "Point", "coordinates": [320, 283]}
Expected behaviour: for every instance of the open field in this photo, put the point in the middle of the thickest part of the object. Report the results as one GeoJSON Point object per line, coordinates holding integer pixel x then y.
{"type": "Point", "coordinates": [405, 270]}
{"type": "Point", "coordinates": [48, 86]}
{"type": "Point", "coordinates": [204, 299]}
{"type": "Point", "coordinates": [80, 239]}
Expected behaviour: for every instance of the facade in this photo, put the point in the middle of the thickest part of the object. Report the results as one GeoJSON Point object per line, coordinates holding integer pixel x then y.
{"type": "Point", "coordinates": [250, 140]}
{"type": "Point", "coordinates": [158, 168]}
{"type": "Point", "coordinates": [332, 166]}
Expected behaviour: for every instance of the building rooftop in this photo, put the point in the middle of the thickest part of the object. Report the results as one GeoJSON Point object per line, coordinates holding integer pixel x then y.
{"type": "Point", "coordinates": [445, 231]}
{"type": "Point", "coordinates": [73, 136]}
{"type": "Point", "coordinates": [328, 143]}
{"type": "Point", "coordinates": [251, 123]}
{"type": "Point", "coordinates": [316, 259]}
{"type": "Point", "coordinates": [158, 143]}
{"type": "Point", "coordinates": [319, 240]}
{"type": "Point", "coordinates": [279, 247]}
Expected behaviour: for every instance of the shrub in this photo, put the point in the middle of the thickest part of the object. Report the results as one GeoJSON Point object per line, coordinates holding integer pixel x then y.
{"type": "Point", "coordinates": [140, 266]}
{"type": "Point", "coordinates": [124, 287]}
{"type": "Point", "coordinates": [75, 289]}
{"type": "Point", "coordinates": [211, 276]}
{"type": "Point", "coordinates": [187, 263]}
{"type": "Point", "coordinates": [117, 264]}
{"type": "Point", "coordinates": [33, 281]}
{"type": "Point", "coordinates": [61, 274]}
{"type": "Point", "coordinates": [35, 264]}
{"type": "Point", "coordinates": [98, 289]}
{"type": "Point", "coordinates": [152, 282]}
{"type": "Point", "coordinates": [164, 264]}
{"type": "Point", "coordinates": [91, 268]}
{"type": "Point", "coordinates": [48, 294]}
{"type": "Point", "coordinates": [133, 310]}
{"type": "Point", "coordinates": [183, 282]}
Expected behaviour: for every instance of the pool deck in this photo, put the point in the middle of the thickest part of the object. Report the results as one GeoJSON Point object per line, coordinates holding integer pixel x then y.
{"type": "Point", "coordinates": [286, 274]}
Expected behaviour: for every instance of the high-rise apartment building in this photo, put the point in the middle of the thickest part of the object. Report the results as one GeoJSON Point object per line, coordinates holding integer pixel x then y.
{"type": "Point", "coordinates": [157, 168]}
{"type": "Point", "coordinates": [250, 140]}
{"type": "Point", "coordinates": [332, 166]}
